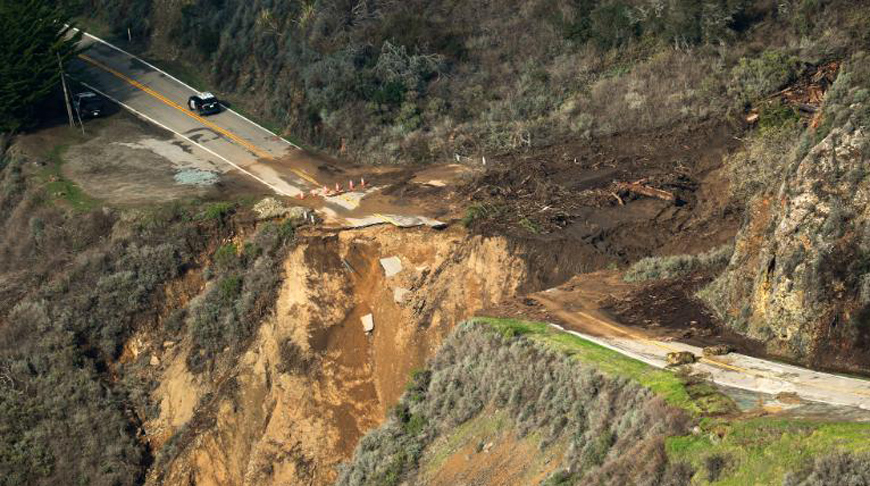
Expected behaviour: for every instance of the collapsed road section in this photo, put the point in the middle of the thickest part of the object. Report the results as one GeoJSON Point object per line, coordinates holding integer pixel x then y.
{"type": "Point", "coordinates": [232, 139]}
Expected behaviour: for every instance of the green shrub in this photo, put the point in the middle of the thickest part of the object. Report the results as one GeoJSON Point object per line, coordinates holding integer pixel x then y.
{"type": "Point", "coordinates": [217, 211]}
{"type": "Point", "coordinates": [834, 468]}
{"type": "Point", "coordinates": [478, 212]}
{"type": "Point", "coordinates": [655, 268]}
{"type": "Point", "coordinates": [777, 116]}
{"type": "Point", "coordinates": [225, 257]}
{"type": "Point", "coordinates": [753, 78]}
{"type": "Point", "coordinates": [545, 392]}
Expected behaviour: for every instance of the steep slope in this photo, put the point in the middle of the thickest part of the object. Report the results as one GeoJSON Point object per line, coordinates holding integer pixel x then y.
{"type": "Point", "coordinates": [549, 416]}
{"type": "Point", "coordinates": [798, 279]}
{"type": "Point", "coordinates": [517, 402]}
{"type": "Point", "coordinates": [312, 381]}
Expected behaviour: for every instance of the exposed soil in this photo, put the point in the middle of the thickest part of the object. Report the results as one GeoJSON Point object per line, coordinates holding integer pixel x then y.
{"type": "Point", "coordinates": [313, 381]}
{"type": "Point", "coordinates": [493, 457]}
{"type": "Point", "coordinates": [670, 307]}
{"type": "Point", "coordinates": [664, 310]}
{"type": "Point", "coordinates": [575, 188]}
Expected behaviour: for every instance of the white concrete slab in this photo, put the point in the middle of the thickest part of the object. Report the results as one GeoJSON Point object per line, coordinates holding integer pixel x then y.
{"type": "Point", "coordinates": [392, 265]}
{"type": "Point", "coordinates": [368, 322]}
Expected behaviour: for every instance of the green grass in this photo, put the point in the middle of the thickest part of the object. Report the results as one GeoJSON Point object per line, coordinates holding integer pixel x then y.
{"type": "Point", "coordinates": [763, 450]}
{"type": "Point", "coordinates": [677, 390]}
{"type": "Point", "coordinates": [757, 450]}
{"type": "Point", "coordinates": [59, 188]}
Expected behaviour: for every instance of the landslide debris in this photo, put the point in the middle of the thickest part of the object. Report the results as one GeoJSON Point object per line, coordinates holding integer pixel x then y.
{"type": "Point", "coordinates": [312, 381]}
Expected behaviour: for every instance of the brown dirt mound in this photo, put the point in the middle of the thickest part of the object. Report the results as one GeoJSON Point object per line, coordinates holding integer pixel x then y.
{"type": "Point", "coordinates": [579, 189]}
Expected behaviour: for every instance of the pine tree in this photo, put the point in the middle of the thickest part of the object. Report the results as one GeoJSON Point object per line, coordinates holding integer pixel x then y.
{"type": "Point", "coordinates": [33, 33]}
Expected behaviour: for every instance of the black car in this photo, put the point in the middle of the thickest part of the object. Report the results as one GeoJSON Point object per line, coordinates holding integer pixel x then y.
{"type": "Point", "coordinates": [88, 105]}
{"type": "Point", "coordinates": [204, 104]}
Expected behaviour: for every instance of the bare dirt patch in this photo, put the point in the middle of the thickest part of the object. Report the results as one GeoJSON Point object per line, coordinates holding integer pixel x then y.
{"type": "Point", "coordinates": [122, 160]}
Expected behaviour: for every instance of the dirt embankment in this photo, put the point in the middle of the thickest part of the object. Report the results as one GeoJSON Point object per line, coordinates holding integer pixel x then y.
{"type": "Point", "coordinates": [314, 381]}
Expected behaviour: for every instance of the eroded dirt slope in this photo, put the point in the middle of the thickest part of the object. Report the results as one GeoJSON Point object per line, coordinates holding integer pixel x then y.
{"type": "Point", "coordinates": [313, 381]}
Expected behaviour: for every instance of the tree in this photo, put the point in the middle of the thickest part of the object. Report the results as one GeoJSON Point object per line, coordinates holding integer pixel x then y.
{"type": "Point", "coordinates": [33, 33]}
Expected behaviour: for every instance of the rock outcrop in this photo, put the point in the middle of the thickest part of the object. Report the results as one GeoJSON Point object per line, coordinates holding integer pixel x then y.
{"type": "Point", "coordinates": [799, 278]}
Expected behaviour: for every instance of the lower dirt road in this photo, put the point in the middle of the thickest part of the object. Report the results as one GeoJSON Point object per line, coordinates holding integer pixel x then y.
{"type": "Point", "coordinates": [578, 306]}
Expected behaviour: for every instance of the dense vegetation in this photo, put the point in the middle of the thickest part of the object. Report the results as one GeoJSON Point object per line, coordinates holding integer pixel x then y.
{"type": "Point", "coordinates": [627, 423]}
{"type": "Point", "coordinates": [388, 81]}
{"type": "Point", "coordinates": [33, 40]}
{"type": "Point", "coordinates": [75, 284]}
{"type": "Point", "coordinates": [613, 426]}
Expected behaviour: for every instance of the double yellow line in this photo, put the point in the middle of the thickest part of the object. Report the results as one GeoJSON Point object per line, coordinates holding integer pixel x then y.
{"type": "Point", "coordinates": [226, 133]}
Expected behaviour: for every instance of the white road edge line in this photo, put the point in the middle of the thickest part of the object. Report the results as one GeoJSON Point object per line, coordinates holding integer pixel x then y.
{"type": "Point", "coordinates": [188, 87]}
{"type": "Point", "coordinates": [658, 365]}
{"type": "Point", "coordinates": [208, 150]}
{"type": "Point", "coordinates": [605, 344]}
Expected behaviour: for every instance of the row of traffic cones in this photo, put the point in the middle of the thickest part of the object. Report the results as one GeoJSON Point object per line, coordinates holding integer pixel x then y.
{"type": "Point", "coordinates": [326, 192]}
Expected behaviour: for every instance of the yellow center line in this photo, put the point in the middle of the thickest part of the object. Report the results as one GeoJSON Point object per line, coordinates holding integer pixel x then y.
{"type": "Point", "coordinates": [714, 362]}
{"type": "Point", "coordinates": [228, 134]}
{"type": "Point", "coordinates": [387, 219]}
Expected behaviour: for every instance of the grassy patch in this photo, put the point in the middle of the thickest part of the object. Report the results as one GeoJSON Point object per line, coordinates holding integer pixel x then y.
{"type": "Point", "coordinates": [483, 425]}
{"type": "Point", "coordinates": [763, 450]}
{"type": "Point", "coordinates": [728, 451]}
{"type": "Point", "coordinates": [672, 387]}
{"type": "Point", "coordinates": [60, 188]}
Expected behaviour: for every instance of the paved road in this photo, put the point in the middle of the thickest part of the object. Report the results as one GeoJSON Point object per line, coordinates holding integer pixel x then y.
{"type": "Point", "coordinates": [733, 370]}
{"type": "Point", "coordinates": [227, 137]}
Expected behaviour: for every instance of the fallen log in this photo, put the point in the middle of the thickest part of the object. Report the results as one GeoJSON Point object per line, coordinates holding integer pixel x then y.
{"type": "Point", "coordinates": [648, 191]}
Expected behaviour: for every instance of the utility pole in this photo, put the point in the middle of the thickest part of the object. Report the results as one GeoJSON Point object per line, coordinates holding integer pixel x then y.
{"type": "Point", "coordinates": [66, 100]}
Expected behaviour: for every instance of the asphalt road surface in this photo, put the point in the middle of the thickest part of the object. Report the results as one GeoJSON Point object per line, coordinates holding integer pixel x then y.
{"type": "Point", "coordinates": [226, 137]}
{"type": "Point", "coordinates": [732, 370]}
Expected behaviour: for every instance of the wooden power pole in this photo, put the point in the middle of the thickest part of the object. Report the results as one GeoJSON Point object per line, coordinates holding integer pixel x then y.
{"type": "Point", "coordinates": [66, 100]}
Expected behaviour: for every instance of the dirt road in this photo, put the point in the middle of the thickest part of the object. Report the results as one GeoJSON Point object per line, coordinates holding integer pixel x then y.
{"type": "Point", "coordinates": [579, 309]}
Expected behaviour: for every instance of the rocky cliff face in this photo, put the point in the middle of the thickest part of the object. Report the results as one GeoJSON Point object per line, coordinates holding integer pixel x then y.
{"type": "Point", "coordinates": [800, 275]}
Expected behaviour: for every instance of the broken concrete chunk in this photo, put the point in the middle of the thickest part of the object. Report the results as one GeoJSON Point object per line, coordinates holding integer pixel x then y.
{"type": "Point", "coordinates": [392, 265]}
{"type": "Point", "coordinates": [399, 294]}
{"type": "Point", "coordinates": [680, 358]}
{"type": "Point", "coordinates": [155, 361]}
{"type": "Point", "coordinates": [368, 323]}
{"type": "Point", "coordinates": [270, 208]}
{"type": "Point", "coordinates": [168, 344]}
{"type": "Point", "coordinates": [718, 350]}
{"type": "Point", "coordinates": [301, 215]}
